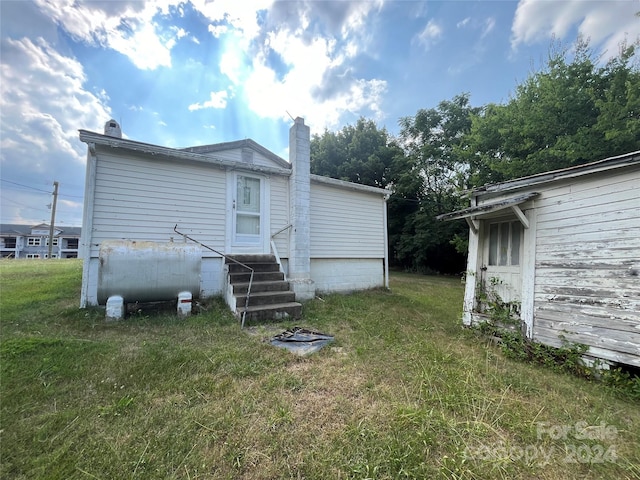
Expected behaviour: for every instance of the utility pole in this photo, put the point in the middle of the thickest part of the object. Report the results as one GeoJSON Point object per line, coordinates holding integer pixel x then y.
{"type": "Point", "coordinates": [53, 217]}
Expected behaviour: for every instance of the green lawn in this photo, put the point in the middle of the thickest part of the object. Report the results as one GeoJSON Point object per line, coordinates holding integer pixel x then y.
{"type": "Point", "coordinates": [403, 392]}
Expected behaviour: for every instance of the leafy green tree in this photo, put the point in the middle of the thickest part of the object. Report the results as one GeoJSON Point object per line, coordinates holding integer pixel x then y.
{"type": "Point", "coordinates": [571, 112]}
{"type": "Point", "coordinates": [430, 184]}
{"type": "Point", "coordinates": [360, 153]}
{"type": "Point", "coordinates": [619, 106]}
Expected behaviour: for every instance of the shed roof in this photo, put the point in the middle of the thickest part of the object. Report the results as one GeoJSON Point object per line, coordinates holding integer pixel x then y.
{"type": "Point", "coordinates": [610, 163]}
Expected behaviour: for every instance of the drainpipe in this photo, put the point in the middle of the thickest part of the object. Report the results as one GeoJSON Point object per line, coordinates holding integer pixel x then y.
{"type": "Point", "coordinates": [300, 214]}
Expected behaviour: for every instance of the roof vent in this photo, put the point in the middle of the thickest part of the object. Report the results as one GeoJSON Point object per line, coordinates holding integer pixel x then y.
{"type": "Point", "coordinates": [112, 129]}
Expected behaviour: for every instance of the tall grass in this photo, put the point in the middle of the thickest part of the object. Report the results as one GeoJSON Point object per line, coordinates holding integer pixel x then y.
{"type": "Point", "coordinates": [403, 392]}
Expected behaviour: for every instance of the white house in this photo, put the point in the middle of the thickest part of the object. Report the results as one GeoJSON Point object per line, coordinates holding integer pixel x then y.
{"type": "Point", "coordinates": [26, 241]}
{"type": "Point", "coordinates": [563, 248]}
{"type": "Point", "coordinates": [236, 198]}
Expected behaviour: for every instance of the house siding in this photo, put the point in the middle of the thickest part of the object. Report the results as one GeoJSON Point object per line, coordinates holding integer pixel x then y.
{"type": "Point", "coordinates": [140, 199]}
{"type": "Point", "coordinates": [587, 241]}
{"type": "Point", "coordinates": [346, 223]}
{"type": "Point", "coordinates": [280, 213]}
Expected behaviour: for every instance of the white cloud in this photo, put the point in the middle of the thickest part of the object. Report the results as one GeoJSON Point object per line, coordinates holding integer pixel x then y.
{"type": "Point", "coordinates": [241, 16]}
{"type": "Point", "coordinates": [430, 34]}
{"type": "Point", "coordinates": [125, 27]}
{"type": "Point", "coordinates": [463, 23]}
{"type": "Point", "coordinates": [297, 91]}
{"type": "Point", "coordinates": [488, 26]}
{"type": "Point", "coordinates": [216, 100]}
{"type": "Point", "coordinates": [314, 78]}
{"type": "Point", "coordinates": [43, 103]}
{"type": "Point", "coordinates": [218, 30]}
{"type": "Point", "coordinates": [606, 24]}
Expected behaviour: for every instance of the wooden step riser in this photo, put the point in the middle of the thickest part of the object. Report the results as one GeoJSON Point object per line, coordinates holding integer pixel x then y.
{"type": "Point", "coordinates": [246, 259]}
{"type": "Point", "coordinates": [280, 286]}
{"type": "Point", "coordinates": [257, 277]}
{"type": "Point", "coordinates": [257, 267]}
{"type": "Point", "coordinates": [274, 297]}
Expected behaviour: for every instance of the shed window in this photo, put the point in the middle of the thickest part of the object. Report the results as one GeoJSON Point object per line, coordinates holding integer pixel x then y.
{"type": "Point", "coordinates": [504, 243]}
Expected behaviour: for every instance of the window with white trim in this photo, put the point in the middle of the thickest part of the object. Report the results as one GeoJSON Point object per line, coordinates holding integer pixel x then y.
{"type": "Point", "coordinates": [33, 255]}
{"type": "Point", "coordinates": [55, 241]}
{"type": "Point", "coordinates": [33, 241]}
{"type": "Point", "coordinates": [504, 243]}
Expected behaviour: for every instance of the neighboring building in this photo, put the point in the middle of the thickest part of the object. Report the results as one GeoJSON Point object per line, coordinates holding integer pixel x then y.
{"type": "Point", "coordinates": [563, 248]}
{"type": "Point", "coordinates": [24, 241]}
{"type": "Point", "coordinates": [237, 198]}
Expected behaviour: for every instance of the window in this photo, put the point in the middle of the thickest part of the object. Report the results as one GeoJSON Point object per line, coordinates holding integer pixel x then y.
{"type": "Point", "coordinates": [33, 255]}
{"type": "Point", "coordinates": [34, 241]}
{"type": "Point", "coordinates": [55, 241]}
{"type": "Point", "coordinates": [504, 243]}
{"type": "Point", "coordinates": [72, 243]}
{"type": "Point", "coordinates": [10, 242]}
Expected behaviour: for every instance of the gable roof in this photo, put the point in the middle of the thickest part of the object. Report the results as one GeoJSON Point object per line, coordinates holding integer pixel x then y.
{"type": "Point", "coordinates": [184, 155]}
{"type": "Point", "coordinates": [349, 185]}
{"type": "Point", "coordinates": [203, 154]}
{"type": "Point", "coordinates": [25, 230]}
{"type": "Point", "coordinates": [238, 144]}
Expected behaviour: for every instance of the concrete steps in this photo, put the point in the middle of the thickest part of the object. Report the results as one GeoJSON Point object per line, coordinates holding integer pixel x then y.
{"type": "Point", "coordinates": [271, 297]}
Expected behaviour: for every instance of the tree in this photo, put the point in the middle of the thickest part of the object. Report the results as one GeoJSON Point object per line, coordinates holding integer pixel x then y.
{"type": "Point", "coordinates": [430, 184]}
{"type": "Point", "coordinates": [359, 153]}
{"type": "Point", "coordinates": [571, 112]}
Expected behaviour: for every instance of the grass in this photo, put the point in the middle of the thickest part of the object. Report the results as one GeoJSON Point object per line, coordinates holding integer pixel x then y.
{"type": "Point", "coordinates": [403, 392]}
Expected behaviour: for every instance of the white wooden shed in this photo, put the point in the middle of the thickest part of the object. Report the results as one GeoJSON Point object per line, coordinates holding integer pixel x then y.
{"type": "Point", "coordinates": [563, 247]}
{"type": "Point", "coordinates": [242, 200]}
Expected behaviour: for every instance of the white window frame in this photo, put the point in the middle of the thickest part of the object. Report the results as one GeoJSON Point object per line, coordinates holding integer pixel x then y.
{"type": "Point", "coordinates": [34, 241]}
{"type": "Point", "coordinates": [33, 255]}
{"type": "Point", "coordinates": [55, 241]}
{"type": "Point", "coordinates": [511, 225]}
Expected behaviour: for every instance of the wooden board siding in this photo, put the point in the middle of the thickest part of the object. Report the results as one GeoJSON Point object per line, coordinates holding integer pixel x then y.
{"type": "Point", "coordinates": [587, 244]}
{"type": "Point", "coordinates": [141, 199]}
{"type": "Point", "coordinates": [346, 223]}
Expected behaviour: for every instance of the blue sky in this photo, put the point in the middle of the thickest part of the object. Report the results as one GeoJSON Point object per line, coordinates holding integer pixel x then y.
{"type": "Point", "coordinates": [183, 73]}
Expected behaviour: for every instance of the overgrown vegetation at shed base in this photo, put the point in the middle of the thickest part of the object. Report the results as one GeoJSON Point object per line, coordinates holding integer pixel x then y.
{"type": "Point", "coordinates": [404, 392]}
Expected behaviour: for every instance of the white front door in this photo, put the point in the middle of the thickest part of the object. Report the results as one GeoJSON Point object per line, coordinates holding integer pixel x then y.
{"type": "Point", "coordinates": [248, 213]}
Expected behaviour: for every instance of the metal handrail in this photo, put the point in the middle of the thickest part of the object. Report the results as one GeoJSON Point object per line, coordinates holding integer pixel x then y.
{"type": "Point", "coordinates": [281, 230]}
{"type": "Point", "coordinates": [246, 302]}
{"type": "Point", "coordinates": [275, 250]}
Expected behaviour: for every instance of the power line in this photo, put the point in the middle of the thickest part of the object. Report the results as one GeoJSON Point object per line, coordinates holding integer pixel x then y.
{"type": "Point", "coordinates": [22, 205]}
{"type": "Point", "coordinates": [26, 186]}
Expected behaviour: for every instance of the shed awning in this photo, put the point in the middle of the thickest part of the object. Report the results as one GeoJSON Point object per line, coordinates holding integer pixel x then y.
{"type": "Point", "coordinates": [479, 211]}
